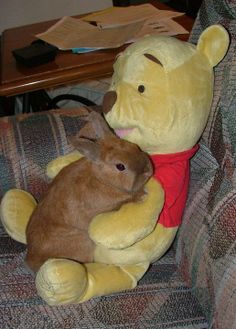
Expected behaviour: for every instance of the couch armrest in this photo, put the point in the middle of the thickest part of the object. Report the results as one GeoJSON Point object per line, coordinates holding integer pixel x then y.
{"type": "Point", "coordinates": [28, 142]}
{"type": "Point", "coordinates": [206, 248]}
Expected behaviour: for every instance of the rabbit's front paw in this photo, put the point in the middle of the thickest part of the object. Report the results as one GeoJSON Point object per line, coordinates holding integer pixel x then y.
{"type": "Point", "coordinates": [140, 196]}
{"type": "Point", "coordinates": [61, 281]}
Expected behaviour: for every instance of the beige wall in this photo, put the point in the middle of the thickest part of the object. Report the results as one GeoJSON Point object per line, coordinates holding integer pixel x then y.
{"type": "Point", "coordinates": [21, 12]}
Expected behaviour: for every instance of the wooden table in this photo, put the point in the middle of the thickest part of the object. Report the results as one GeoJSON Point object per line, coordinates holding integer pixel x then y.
{"type": "Point", "coordinates": [66, 68]}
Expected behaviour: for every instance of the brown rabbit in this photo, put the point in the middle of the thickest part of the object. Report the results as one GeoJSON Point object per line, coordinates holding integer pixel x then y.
{"type": "Point", "coordinates": [112, 173]}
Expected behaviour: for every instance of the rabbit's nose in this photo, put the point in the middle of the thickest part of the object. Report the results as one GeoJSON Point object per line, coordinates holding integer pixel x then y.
{"type": "Point", "coordinates": [148, 170]}
{"type": "Point", "coordinates": [108, 101]}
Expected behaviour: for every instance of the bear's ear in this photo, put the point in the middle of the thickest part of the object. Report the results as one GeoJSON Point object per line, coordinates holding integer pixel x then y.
{"type": "Point", "coordinates": [214, 43]}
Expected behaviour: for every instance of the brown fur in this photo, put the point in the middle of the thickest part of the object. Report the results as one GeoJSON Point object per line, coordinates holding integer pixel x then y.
{"type": "Point", "coordinates": [92, 185]}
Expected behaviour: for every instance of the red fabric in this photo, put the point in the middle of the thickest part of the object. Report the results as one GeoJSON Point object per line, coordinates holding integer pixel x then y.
{"type": "Point", "coordinates": [172, 171]}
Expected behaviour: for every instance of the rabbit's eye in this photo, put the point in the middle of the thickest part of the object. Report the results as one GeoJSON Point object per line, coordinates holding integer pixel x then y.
{"type": "Point", "coordinates": [141, 89]}
{"type": "Point", "coordinates": [120, 166]}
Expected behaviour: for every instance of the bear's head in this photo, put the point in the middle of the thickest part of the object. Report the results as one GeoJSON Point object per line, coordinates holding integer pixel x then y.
{"type": "Point", "coordinates": [162, 88]}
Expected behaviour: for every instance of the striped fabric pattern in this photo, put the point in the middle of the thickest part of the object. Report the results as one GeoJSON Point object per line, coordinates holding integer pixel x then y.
{"type": "Point", "coordinates": [161, 300]}
{"type": "Point", "coordinates": [29, 142]}
{"type": "Point", "coordinates": [206, 252]}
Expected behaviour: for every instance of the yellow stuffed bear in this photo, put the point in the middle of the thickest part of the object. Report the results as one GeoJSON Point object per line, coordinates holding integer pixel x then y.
{"type": "Point", "coordinates": [160, 99]}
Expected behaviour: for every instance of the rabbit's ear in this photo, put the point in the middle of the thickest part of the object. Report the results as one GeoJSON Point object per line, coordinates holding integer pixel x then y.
{"type": "Point", "coordinates": [86, 146]}
{"type": "Point", "coordinates": [99, 125]}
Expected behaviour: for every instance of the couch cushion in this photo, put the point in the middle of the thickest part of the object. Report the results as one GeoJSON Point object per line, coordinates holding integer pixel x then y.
{"type": "Point", "coordinates": [161, 300]}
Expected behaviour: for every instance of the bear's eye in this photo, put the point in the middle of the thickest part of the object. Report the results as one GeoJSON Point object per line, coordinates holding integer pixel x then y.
{"type": "Point", "coordinates": [141, 89]}
{"type": "Point", "coordinates": [120, 166]}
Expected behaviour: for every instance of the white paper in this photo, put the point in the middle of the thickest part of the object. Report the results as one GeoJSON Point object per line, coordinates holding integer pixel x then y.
{"type": "Point", "coordinates": [112, 29]}
{"type": "Point", "coordinates": [71, 33]}
{"type": "Point", "coordinates": [160, 27]}
{"type": "Point", "coordinates": [116, 16]}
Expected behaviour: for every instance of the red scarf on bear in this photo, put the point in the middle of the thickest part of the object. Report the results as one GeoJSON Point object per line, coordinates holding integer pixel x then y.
{"type": "Point", "coordinates": [172, 171]}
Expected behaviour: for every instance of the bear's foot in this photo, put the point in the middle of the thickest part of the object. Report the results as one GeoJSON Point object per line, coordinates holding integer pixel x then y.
{"type": "Point", "coordinates": [61, 281]}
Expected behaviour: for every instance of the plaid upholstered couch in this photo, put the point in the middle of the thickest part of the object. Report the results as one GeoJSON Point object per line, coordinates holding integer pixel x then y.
{"type": "Point", "coordinates": [194, 284]}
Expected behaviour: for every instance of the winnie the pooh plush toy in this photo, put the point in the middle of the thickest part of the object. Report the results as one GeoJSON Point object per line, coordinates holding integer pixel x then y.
{"type": "Point", "coordinates": [160, 99]}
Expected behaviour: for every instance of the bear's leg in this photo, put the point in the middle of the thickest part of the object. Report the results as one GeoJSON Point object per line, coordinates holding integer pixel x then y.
{"type": "Point", "coordinates": [104, 279]}
{"type": "Point", "coordinates": [61, 281]}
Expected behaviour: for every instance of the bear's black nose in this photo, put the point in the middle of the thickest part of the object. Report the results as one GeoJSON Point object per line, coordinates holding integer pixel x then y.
{"type": "Point", "coordinates": [109, 100]}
